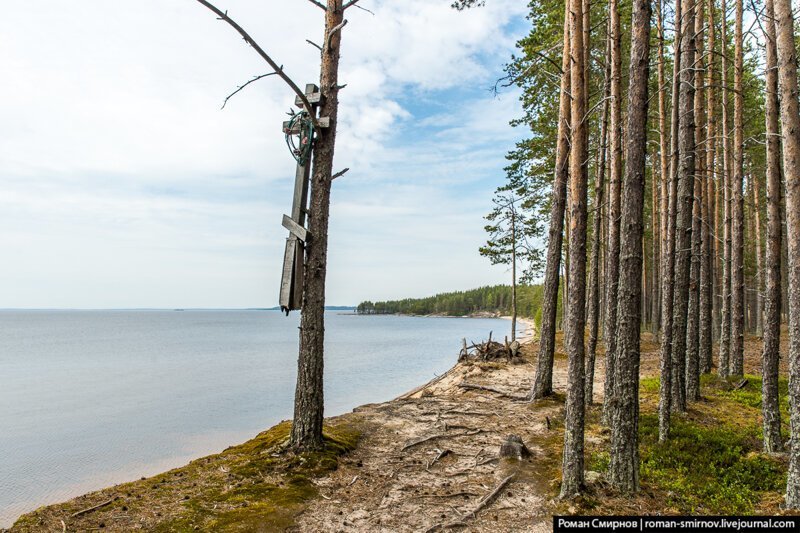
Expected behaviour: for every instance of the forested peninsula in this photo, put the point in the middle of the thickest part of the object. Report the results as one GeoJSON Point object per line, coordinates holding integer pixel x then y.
{"type": "Point", "coordinates": [495, 300]}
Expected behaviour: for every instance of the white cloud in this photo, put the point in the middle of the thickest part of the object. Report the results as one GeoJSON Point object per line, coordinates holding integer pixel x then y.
{"type": "Point", "coordinates": [123, 184]}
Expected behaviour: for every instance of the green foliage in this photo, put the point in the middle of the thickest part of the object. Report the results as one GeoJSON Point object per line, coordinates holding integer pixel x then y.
{"type": "Point", "coordinates": [492, 299]}
{"type": "Point", "coordinates": [708, 469]}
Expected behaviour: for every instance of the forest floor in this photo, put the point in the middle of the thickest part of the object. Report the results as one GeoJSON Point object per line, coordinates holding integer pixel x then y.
{"type": "Point", "coordinates": [428, 460]}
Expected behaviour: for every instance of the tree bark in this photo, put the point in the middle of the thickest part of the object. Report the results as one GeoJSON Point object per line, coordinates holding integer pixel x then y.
{"type": "Point", "coordinates": [668, 257]}
{"type": "Point", "coordinates": [693, 328]}
{"type": "Point", "coordinates": [708, 231]}
{"type": "Point", "coordinates": [665, 173]}
{"type": "Point", "coordinates": [513, 272]}
{"type": "Point", "coordinates": [573, 460]}
{"type": "Point", "coordinates": [772, 310]}
{"type": "Point", "coordinates": [790, 129]}
{"type": "Point", "coordinates": [758, 251]}
{"type": "Point", "coordinates": [543, 383]}
{"type": "Point", "coordinates": [594, 266]}
{"type": "Point", "coordinates": [685, 199]}
{"type": "Point", "coordinates": [309, 402]}
{"type": "Point", "coordinates": [615, 183]}
{"type": "Point", "coordinates": [624, 467]}
{"type": "Point", "coordinates": [737, 205]}
{"type": "Point", "coordinates": [725, 319]}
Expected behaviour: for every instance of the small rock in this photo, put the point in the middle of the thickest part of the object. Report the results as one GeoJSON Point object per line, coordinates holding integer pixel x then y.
{"type": "Point", "coordinates": [514, 448]}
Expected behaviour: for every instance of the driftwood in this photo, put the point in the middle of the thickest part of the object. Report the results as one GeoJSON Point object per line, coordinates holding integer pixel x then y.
{"type": "Point", "coordinates": [489, 351]}
{"type": "Point", "coordinates": [94, 508]}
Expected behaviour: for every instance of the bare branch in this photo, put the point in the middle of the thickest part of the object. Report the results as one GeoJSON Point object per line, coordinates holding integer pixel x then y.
{"type": "Point", "coordinates": [333, 31]}
{"type": "Point", "coordinates": [349, 4]}
{"type": "Point", "coordinates": [245, 85]}
{"type": "Point", "coordinates": [319, 5]}
{"type": "Point", "coordinates": [278, 70]}
{"type": "Point", "coordinates": [315, 45]}
{"type": "Point", "coordinates": [364, 9]}
{"type": "Point", "coordinates": [340, 174]}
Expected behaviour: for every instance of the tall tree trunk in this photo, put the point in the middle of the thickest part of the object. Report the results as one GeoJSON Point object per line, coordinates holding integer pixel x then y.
{"type": "Point", "coordinates": [597, 221]}
{"type": "Point", "coordinates": [615, 177]}
{"type": "Point", "coordinates": [708, 216]}
{"type": "Point", "coordinates": [790, 128]}
{"type": "Point", "coordinates": [685, 198]}
{"type": "Point", "coordinates": [772, 311]}
{"type": "Point", "coordinates": [663, 152]}
{"type": "Point", "coordinates": [759, 266]}
{"type": "Point", "coordinates": [572, 465]}
{"type": "Point", "coordinates": [308, 403]}
{"type": "Point", "coordinates": [513, 272]}
{"type": "Point", "coordinates": [543, 384]}
{"type": "Point", "coordinates": [725, 319]}
{"type": "Point", "coordinates": [668, 257]}
{"type": "Point", "coordinates": [737, 206]}
{"type": "Point", "coordinates": [624, 467]}
{"type": "Point", "coordinates": [693, 328]}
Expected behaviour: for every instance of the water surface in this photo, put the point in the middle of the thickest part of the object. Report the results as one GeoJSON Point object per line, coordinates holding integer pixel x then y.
{"type": "Point", "coordinates": [93, 398]}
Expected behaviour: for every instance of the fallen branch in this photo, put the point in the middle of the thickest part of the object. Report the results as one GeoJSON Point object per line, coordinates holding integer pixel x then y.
{"type": "Point", "coordinates": [482, 504]}
{"type": "Point", "coordinates": [94, 508]}
{"type": "Point", "coordinates": [472, 386]}
{"type": "Point", "coordinates": [742, 384]}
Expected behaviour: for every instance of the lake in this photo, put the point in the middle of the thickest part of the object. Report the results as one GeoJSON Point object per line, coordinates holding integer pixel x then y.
{"type": "Point", "coordinates": [93, 398]}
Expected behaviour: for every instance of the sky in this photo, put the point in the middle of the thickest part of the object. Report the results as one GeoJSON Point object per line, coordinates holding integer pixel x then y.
{"type": "Point", "coordinates": [124, 185]}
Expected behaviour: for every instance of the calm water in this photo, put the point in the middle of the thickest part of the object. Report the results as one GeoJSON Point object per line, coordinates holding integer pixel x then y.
{"type": "Point", "coordinates": [93, 398]}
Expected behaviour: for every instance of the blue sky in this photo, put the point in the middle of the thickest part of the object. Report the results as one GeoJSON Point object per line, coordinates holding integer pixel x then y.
{"type": "Point", "coordinates": [125, 185]}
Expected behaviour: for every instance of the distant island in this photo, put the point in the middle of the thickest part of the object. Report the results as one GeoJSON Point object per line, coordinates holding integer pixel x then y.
{"type": "Point", "coordinates": [495, 299]}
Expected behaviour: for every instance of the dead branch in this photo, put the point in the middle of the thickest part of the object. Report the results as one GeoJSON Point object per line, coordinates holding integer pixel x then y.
{"type": "Point", "coordinates": [256, 78]}
{"type": "Point", "coordinates": [94, 508]}
{"type": "Point", "coordinates": [333, 31]}
{"type": "Point", "coordinates": [278, 70]}
{"type": "Point", "coordinates": [482, 504]}
{"type": "Point", "coordinates": [319, 5]}
{"type": "Point", "coordinates": [315, 45]}
{"type": "Point", "coordinates": [364, 9]}
{"type": "Point", "coordinates": [489, 498]}
{"type": "Point", "coordinates": [349, 4]}
{"type": "Point", "coordinates": [340, 174]}
{"type": "Point", "coordinates": [471, 386]}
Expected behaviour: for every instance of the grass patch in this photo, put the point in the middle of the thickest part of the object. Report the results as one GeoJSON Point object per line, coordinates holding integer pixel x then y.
{"type": "Point", "coordinates": [256, 486]}
{"type": "Point", "coordinates": [712, 462]}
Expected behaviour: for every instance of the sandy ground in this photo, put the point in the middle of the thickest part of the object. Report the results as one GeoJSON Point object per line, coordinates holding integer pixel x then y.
{"type": "Point", "coordinates": [429, 458]}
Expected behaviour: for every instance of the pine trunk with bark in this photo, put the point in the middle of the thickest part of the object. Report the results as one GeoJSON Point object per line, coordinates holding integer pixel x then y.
{"type": "Point", "coordinates": [772, 296]}
{"type": "Point", "coordinates": [725, 319]}
{"type": "Point", "coordinates": [615, 190]}
{"type": "Point", "coordinates": [624, 466]}
{"type": "Point", "coordinates": [594, 266]}
{"type": "Point", "coordinates": [309, 403]}
{"type": "Point", "coordinates": [574, 416]}
{"type": "Point", "coordinates": [685, 201]}
{"type": "Point", "coordinates": [737, 205]}
{"type": "Point", "coordinates": [543, 383]}
{"type": "Point", "coordinates": [790, 134]}
{"type": "Point", "coordinates": [707, 214]}
{"type": "Point", "coordinates": [668, 257]}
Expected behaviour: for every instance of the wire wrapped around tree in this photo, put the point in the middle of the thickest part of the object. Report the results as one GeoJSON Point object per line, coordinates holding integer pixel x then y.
{"type": "Point", "coordinates": [300, 136]}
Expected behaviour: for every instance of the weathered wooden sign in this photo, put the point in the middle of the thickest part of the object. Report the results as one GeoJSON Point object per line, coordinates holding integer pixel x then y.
{"type": "Point", "coordinates": [291, 294]}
